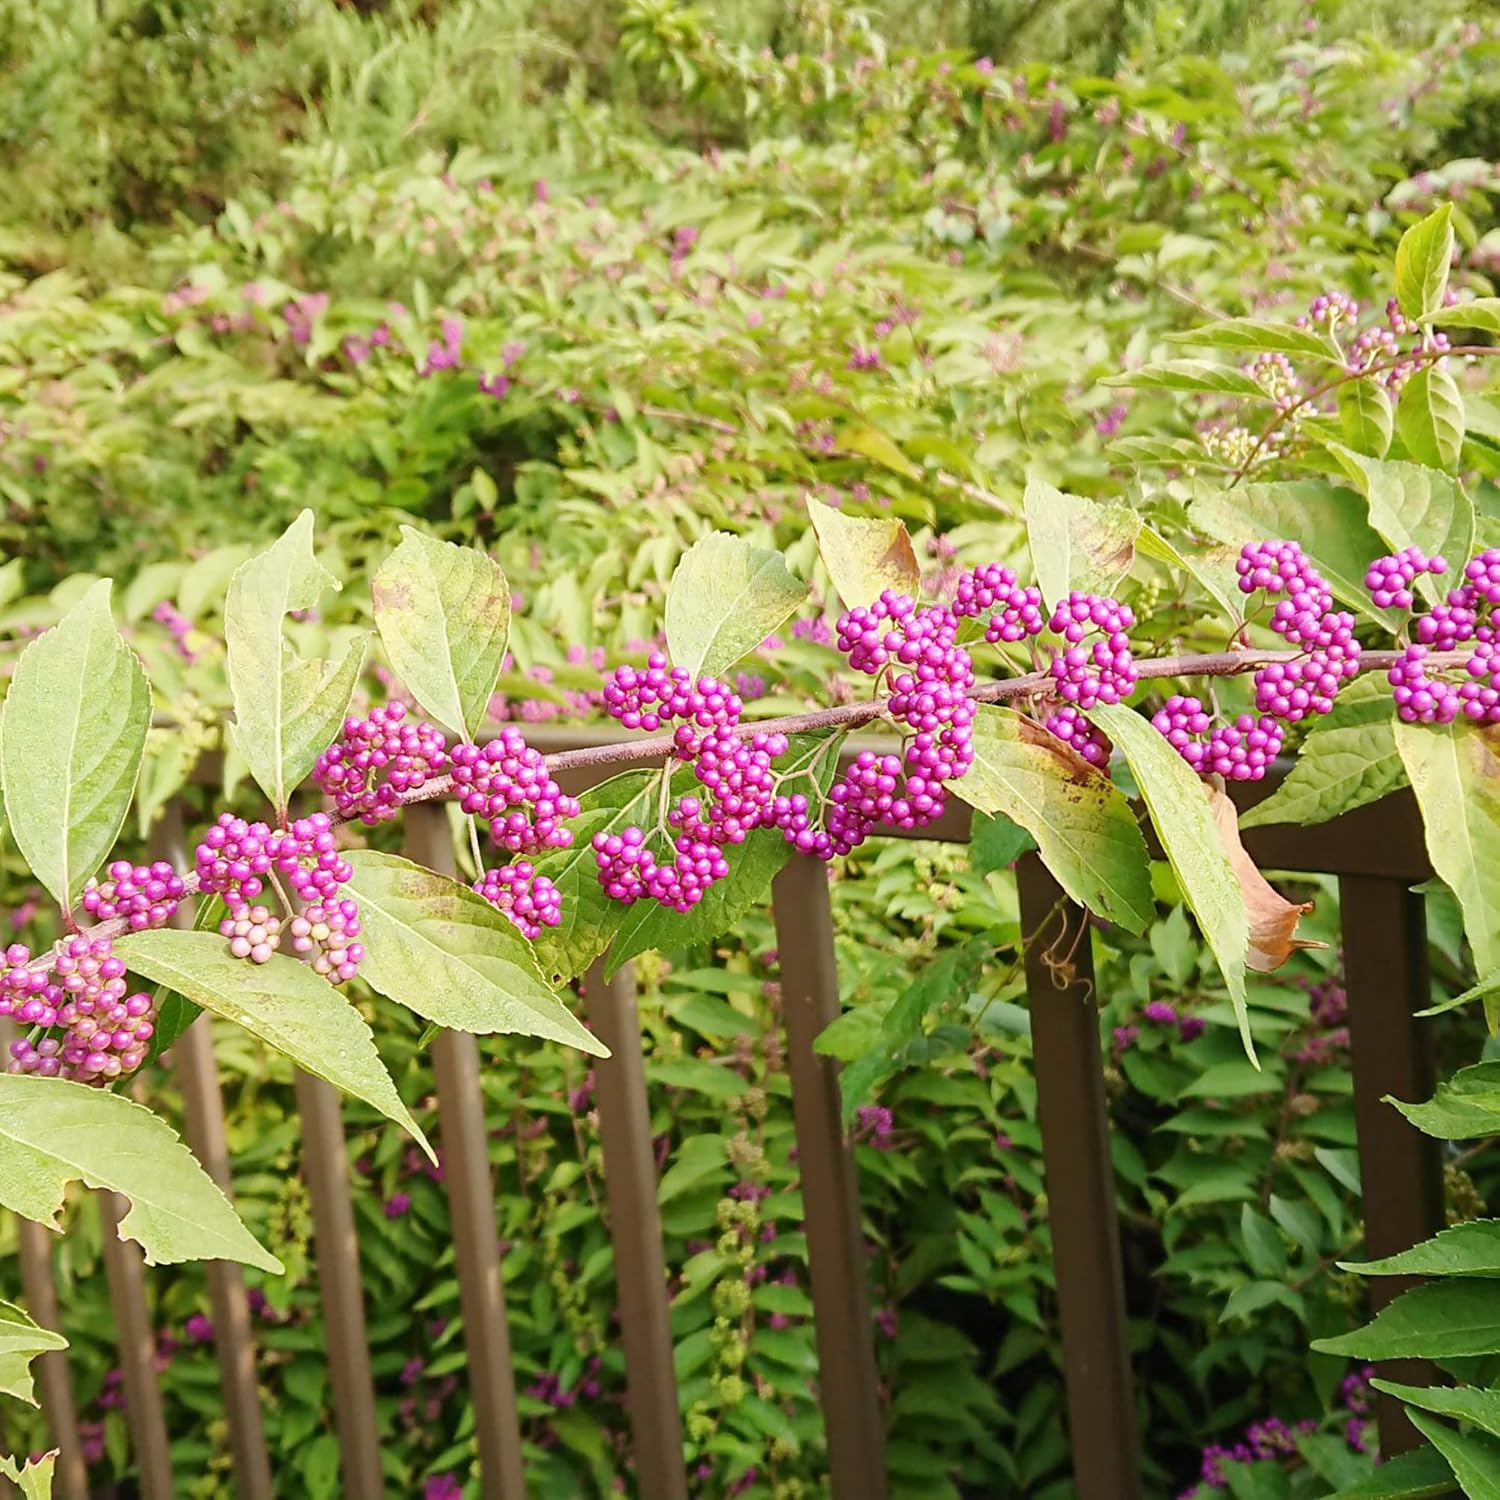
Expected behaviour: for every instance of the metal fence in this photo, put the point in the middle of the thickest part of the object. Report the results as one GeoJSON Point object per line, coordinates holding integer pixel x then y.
{"type": "Point", "coordinates": [1376, 852]}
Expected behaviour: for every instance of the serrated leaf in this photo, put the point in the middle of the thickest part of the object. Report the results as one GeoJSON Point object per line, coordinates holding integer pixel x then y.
{"type": "Point", "coordinates": [1414, 506]}
{"type": "Point", "coordinates": [1215, 572]}
{"type": "Point", "coordinates": [872, 443]}
{"type": "Point", "coordinates": [1184, 821]}
{"type": "Point", "coordinates": [1259, 336]}
{"type": "Point", "coordinates": [589, 918]}
{"type": "Point", "coordinates": [443, 951]}
{"type": "Point", "coordinates": [1468, 1249]}
{"type": "Point", "coordinates": [1455, 773]}
{"type": "Point", "coordinates": [725, 598]}
{"type": "Point", "coordinates": [864, 556]}
{"type": "Point", "coordinates": [33, 1478]}
{"type": "Point", "coordinates": [283, 1002]}
{"type": "Point", "coordinates": [1464, 1403]}
{"type": "Point", "coordinates": [1430, 418]}
{"type": "Point", "coordinates": [1365, 417]}
{"type": "Point", "coordinates": [650, 927]}
{"type": "Point", "coordinates": [1084, 828]}
{"type": "Point", "coordinates": [1422, 1474]}
{"type": "Point", "coordinates": [1328, 521]}
{"type": "Point", "coordinates": [1475, 1460]}
{"type": "Point", "coordinates": [1423, 260]}
{"type": "Point", "coordinates": [1189, 375]}
{"type": "Point", "coordinates": [1349, 759]}
{"type": "Point", "coordinates": [1462, 1107]}
{"type": "Point", "coordinates": [443, 613]}
{"type": "Point", "coordinates": [21, 1341]}
{"type": "Point", "coordinates": [1447, 1320]}
{"type": "Point", "coordinates": [72, 735]}
{"type": "Point", "coordinates": [287, 710]}
{"type": "Point", "coordinates": [1077, 543]}
{"type": "Point", "coordinates": [1482, 313]}
{"type": "Point", "coordinates": [53, 1132]}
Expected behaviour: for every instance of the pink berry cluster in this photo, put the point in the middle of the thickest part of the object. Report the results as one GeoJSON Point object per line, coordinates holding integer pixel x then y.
{"type": "Point", "coordinates": [83, 1024]}
{"type": "Point", "coordinates": [237, 859]}
{"type": "Point", "coordinates": [1103, 672]}
{"type": "Point", "coordinates": [530, 900]}
{"type": "Point", "coordinates": [735, 772]}
{"type": "Point", "coordinates": [1015, 610]}
{"type": "Point", "coordinates": [1239, 751]}
{"type": "Point", "coordinates": [506, 782]}
{"type": "Point", "coordinates": [1389, 579]}
{"type": "Point", "coordinates": [1465, 618]}
{"type": "Point", "coordinates": [377, 760]}
{"type": "Point", "coordinates": [1302, 613]}
{"type": "Point", "coordinates": [143, 896]}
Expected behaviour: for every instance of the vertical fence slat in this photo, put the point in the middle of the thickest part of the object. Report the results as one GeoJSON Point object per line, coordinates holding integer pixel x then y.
{"type": "Point", "coordinates": [847, 1375]}
{"type": "Point", "coordinates": [1401, 1170]}
{"type": "Point", "coordinates": [54, 1384]}
{"type": "Point", "coordinates": [471, 1201]}
{"type": "Point", "coordinates": [339, 1288]}
{"type": "Point", "coordinates": [1080, 1189]}
{"type": "Point", "coordinates": [203, 1108]}
{"type": "Point", "coordinates": [635, 1232]}
{"type": "Point", "coordinates": [124, 1267]}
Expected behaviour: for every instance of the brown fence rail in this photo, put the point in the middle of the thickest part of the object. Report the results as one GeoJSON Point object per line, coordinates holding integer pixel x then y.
{"type": "Point", "coordinates": [1377, 854]}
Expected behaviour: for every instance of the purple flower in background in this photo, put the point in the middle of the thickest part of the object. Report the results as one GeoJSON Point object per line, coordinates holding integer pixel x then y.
{"type": "Point", "coordinates": [1160, 1012]}
{"type": "Point", "coordinates": [872, 1125]}
{"type": "Point", "coordinates": [442, 1487]}
{"type": "Point", "coordinates": [199, 1329]}
{"type": "Point", "coordinates": [1190, 1028]}
{"type": "Point", "coordinates": [398, 1205]}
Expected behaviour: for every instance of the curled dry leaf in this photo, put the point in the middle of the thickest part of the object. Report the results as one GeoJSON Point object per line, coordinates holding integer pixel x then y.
{"type": "Point", "coordinates": [1273, 919]}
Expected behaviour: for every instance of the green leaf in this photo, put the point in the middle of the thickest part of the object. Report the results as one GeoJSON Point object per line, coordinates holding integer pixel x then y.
{"type": "Point", "coordinates": [1184, 822]}
{"type": "Point", "coordinates": [1464, 1403]}
{"type": "Point", "coordinates": [1348, 759]}
{"type": "Point", "coordinates": [72, 735]}
{"type": "Point", "coordinates": [283, 1002]}
{"type": "Point", "coordinates": [1423, 259]}
{"type": "Point", "coordinates": [34, 1477]}
{"type": "Point", "coordinates": [1489, 985]}
{"type": "Point", "coordinates": [53, 1132]}
{"type": "Point", "coordinates": [589, 917]}
{"type": "Point", "coordinates": [1189, 375]}
{"type": "Point", "coordinates": [864, 557]}
{"type": "Point", "coordinates": [1258, 336]}
{"type": "Point", "coordinates": [871, 442]}
{"type": "Point", "coordinates": [1077, 543]}
{"type": "Point", "coordinates": [1447, 1320]}
{"type": "Point", "coordinates": [443, 613]}
{"type": "Point", "coordinates": [1482, 313]}
{"type": "Point", "coordinates": [21, 1341]}
{"type": "Point", "coordinates": [287, 710]}
{"type": "Point", "coordinates": [443, 951]}
{"type": "Point", "coordinates": [1430, 417]}
{"type": "Point", "coordinates": [1469, 1249]}
{"type": "Point", "coordinates": [725, 598]}
{"type": "Point", "coordinates": [996, 842]}
{"type": "Point", "coordinates": [1475, 1460]}
{"type": "Point", "coordinates": [1328, 521]}
{"type": "Point", "coordinates": [1414, 506]}
{"type": "Point", "coordinates": [1463, 1106]}
{"type": "Point", "coordinates": [1455, 773]}
{"type": "Point", "coordinates": [1365, 417]}
{"type": "Point", "coordinates": [1084, 828]}
{"type": "Point", "coordinates": [1422, 1474]}
{"type": "Point", "coordinates": [1215, 574]}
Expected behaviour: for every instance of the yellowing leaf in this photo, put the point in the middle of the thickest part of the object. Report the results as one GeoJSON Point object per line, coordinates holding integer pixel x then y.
{"type": "Point", "coordinates": [864, 556]}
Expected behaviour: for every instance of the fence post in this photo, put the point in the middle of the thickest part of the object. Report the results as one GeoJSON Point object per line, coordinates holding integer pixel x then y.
{"type": "Point", "coordinates": [1401, 1169]}
{"type": "Point", "coordinates": [325, 1164]}
{"type": "Point", "coordinates": [203, 1108]}
{"type": "Point", "coordinates": [70, 1477]}
{"type": "Point", "coordinates": [1080, 1188]}
{"type": "Point", "coordinates": [124, 1268]}
{"type": "Point", "coordinates": [635, 1233]}
{"type": "Point", "coordinates": [847, 1375]}
{"type": "Point", "coordinates": [471, 1202]}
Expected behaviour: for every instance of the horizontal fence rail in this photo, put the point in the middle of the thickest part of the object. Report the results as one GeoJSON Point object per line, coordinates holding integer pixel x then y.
{"type": "Point", "coordinates": [1376, 852]}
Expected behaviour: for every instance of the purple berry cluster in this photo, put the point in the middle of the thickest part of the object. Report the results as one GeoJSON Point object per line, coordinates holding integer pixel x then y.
{"type": "Point", "coordinates": [1070, 726]}
{"type": "Point", "coordinates": [1389, 579]}
{"type": "Point", "coordinates": [1103, 672]}
{"type": "Point", "coordinates": [326, 935]}
{"type": "Point", "coordinates": [1425, 695]}
{"type": "Point", "coordinates": [82, 1022]}
{"type": "Point", "coordinates": [143, 896]}
{"type": "Point", "coordinates": [530, 900]}
{"type": "Point", "coordinates": [1238, 751]}
{"type": "Point", "coordinates": [378, 760]}
{"type": "Point", "coordinates": [506, 782]}
{"type": "Point", "coordinates": [1015, 610]}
